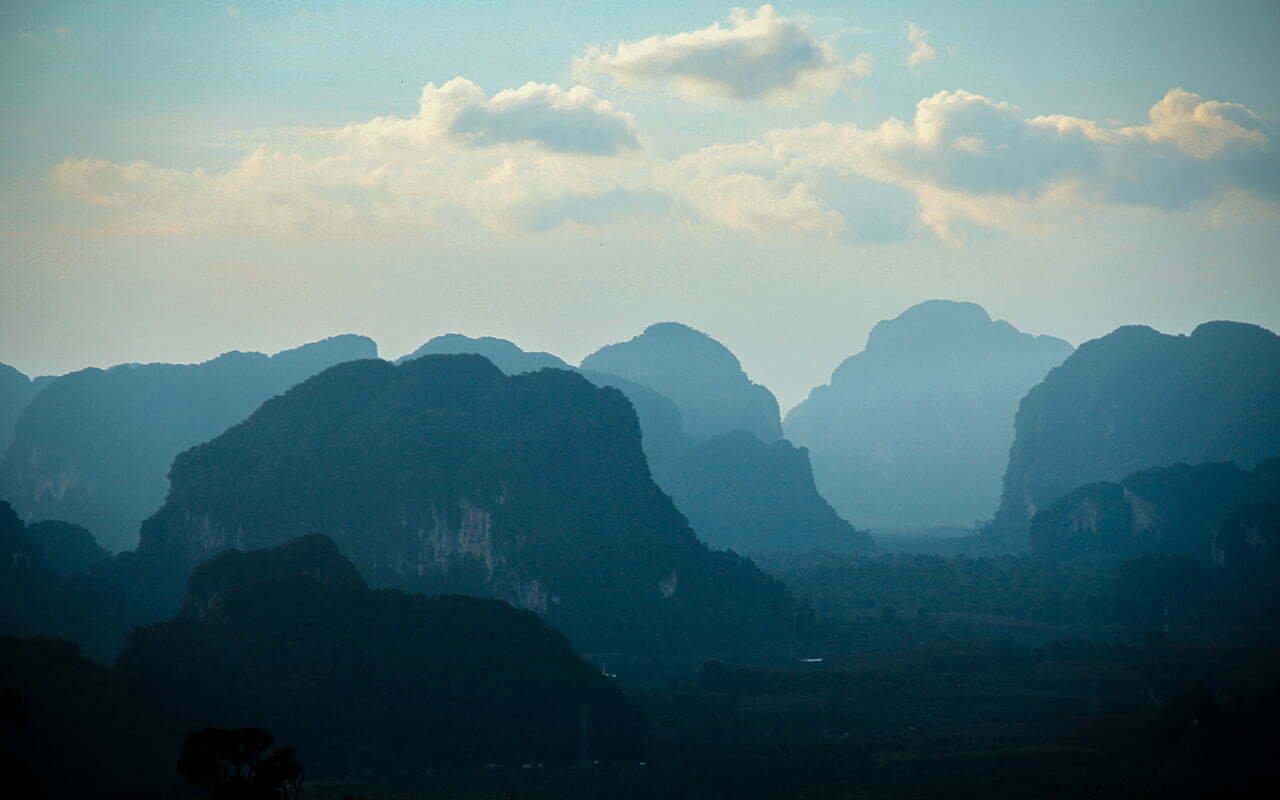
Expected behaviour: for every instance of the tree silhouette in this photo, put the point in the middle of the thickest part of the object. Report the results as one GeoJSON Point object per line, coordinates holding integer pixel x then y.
{"type": "Point", "coordinates": [230, 764]}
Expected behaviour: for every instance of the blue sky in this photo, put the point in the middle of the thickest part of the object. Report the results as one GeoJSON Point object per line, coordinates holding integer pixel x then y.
{"type": "Point", "coordinates": [180, 179]}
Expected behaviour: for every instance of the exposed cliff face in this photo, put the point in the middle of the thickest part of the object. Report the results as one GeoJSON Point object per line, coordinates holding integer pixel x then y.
{"type": "Point", "coordinates": [699, 375]}
{"type": "Point", "coordinates": [1175, 510]}
{"type": "Point", "coordinates": [743, 494]}
{"type": "Point", "coordinates": [95, 446]}
{"type": "Point", "coordinates": [444, 475]}
{"type": "Point", "coordinates": [915, 430]}
{"type": "Point", "coordinates": [1137, 399]}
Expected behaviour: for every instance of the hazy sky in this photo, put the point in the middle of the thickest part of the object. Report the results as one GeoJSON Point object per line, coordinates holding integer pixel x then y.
{"type": "Point", "coordinates": [181, 179]}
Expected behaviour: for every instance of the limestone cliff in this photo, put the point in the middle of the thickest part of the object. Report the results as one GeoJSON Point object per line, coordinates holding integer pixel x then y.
{"type": "Point", "coordinates": [444, 475]}
{"type": "Point", "coordinates": [1137, 399]}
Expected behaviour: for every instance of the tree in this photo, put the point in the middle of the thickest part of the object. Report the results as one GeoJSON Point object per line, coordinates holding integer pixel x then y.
{"type": "Point", "coordinates": [230, 764]}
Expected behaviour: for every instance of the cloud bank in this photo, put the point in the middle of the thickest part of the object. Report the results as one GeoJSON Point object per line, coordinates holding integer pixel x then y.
{"type": "Point", "coordinates": [530, 160]}
{"type": "Point", "coordinates": [761, 56]}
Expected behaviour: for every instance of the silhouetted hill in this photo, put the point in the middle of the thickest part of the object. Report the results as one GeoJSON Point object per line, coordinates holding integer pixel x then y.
{"type": "Point", "coordinates": [1137, 399]}
{"type": "Point", "coordinates": [698, 374]}
{"type": "Point", "coordinates": [16, 393]}
{"type": "Point", "coordinates": [372, 681]}
{"type": "Point", "coordinates": [66, 548]}
{"type": "Point", "coordinates": [95, 446]}
{"type": "Point", "coordinates": [69, 728]}
{"type": "Point", "coordinates": [741, 493]}
{"type": "Point", "coordinates": [1174, 510]}
{"type": "Point", "coordinates": [505, 355]}
{"type": "Point", "coordinates": [915, 430]}
{"type": "Point", "coordinates": [444, 475]}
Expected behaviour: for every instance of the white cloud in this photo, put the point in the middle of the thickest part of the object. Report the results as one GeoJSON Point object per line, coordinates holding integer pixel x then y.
{"type": "Point", "coordinates": [968, 159]}
{"type": "Point", "coordinates": [920, 51]}
{"type": "Point", "coordinates": [757, 57]}
{"type": "Point", "coordinates": [463, 161]}
{"type": "Point", "coordinates": [540, 157]}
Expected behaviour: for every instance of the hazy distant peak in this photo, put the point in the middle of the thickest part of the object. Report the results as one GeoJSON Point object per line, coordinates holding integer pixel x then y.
{"type": "Point", "coordinates": [946, 326]}
{"type": "Point", "coordinates": [702, 376]}
{"type": "Point", "coordinates": [505, 355]}
{"type": "Point", "coordinates": [1243, 332]}
{"type": "Point", "coordinates": [344, 347]}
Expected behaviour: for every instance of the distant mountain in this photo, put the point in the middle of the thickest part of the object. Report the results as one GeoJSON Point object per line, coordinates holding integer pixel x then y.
{"type": "Point", "coordinates": [95, 446]}
{"type": "Point", "coordinates": [699, 375]}
{"type": "Point", "coordinates": [505, 355]}
{"type": "Point", "coordinates": [1174, 510]}
{"type": "Point", "coordinates": [16, 393]}
{"type": "Point", "coordinates": [1137, 399]}
{"type": "Point", "coordinates": [741, 493]}
{"type": "Point", "coordinates": [914, 431]}
{"type": "Point", "coordinates": [444, 475]}
{"type": "Point", "coordinates": [373, 680]}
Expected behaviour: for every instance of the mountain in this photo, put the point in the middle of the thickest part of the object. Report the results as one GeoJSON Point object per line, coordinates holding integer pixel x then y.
{"type": "Point", "coordinates": [737, 492]}
{"type": "Point", "coordinates": [698, 374]}
{"type": "Point", "coordinates": [95, 446]}
{"type": "Point", "coordinates": [66, 548]}
{"type": "Point", "coordinates": [443, 474]}
{"type": "Point", "coordinates": [505, 355]}
{"type": "Point", "coordinates": [372, 680]}
{"type": "Point", "coordinates": [1173, 510]}
{"type": "Point", "coordinates": [1137, 399]}
{"type": "Point", "coordinates": [744, 494]}
{"type": "Point", "coordinates": [914, 431]}
{"type": "Point", "coordinates": [16, 393]}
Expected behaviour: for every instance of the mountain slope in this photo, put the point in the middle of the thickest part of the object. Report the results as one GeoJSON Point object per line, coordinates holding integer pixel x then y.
{"type": "Point", "coordinates": [698, 374]}
{"type": "Point", "coordinates": [95, 446]}
{"type": "Point", "coordinates": [1136, 399]}
{"type": "Point", "coordinates": [444, 475]}
{"type": "Point", "coordinates": [915, 430]}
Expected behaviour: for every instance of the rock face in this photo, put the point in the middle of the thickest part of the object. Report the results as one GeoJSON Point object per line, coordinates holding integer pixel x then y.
{"type": "Point", "coordinates": [1174, 510]}
{"type": "Point", "coordinates": [372, 680]}
{"type": "Point", "coordinates": [16, 393]}
{"type": "Point", "coordinates": [444, 475]}
{"type": "Point", "coordinates": [737, 492]}
{"type": "Point", "coordinates": [741, 493]}
{"type": "Point", "coordinates": [1137, 399]}
{"type": "Point", "coordinates": [95, 446]}
{"type": "Point", "coordinates": [699, 375]}
{"type": "Point", "coordinates": [914, 431]}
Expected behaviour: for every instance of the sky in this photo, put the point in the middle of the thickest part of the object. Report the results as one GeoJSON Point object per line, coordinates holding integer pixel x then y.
{"type": "Point", "coordinates": [182, 179]}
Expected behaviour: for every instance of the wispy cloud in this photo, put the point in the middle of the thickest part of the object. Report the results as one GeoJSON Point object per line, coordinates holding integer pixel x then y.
{"type": "Point", "coordinates": [919, 51]}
